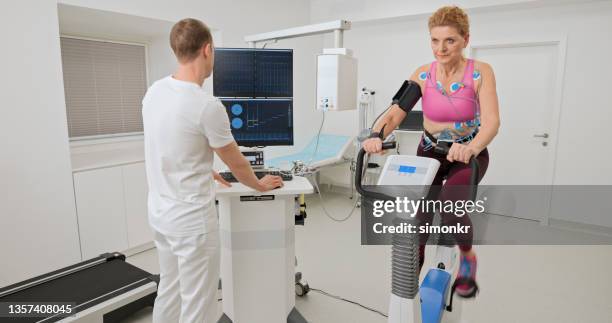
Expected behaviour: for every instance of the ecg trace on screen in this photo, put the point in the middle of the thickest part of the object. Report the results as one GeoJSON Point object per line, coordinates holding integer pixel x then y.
{"type": "Point", "coordinates": [273, 74]}
{"type": "Point", "coordinates": [253, 73]}
{"type": "Point", "coordinates": [259, 122]}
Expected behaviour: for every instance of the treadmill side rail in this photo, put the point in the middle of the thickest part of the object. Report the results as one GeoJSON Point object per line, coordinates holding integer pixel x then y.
{"type": "Point", "coordinates": [32, 282]}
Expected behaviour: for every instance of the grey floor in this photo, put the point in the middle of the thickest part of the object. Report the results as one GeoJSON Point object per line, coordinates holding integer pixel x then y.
{"type": "Point", "coordinates": [561, 284]}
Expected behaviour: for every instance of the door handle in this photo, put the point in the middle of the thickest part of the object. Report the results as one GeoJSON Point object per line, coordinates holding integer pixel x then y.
{"type": "Point", "coordinates": [544, 135]}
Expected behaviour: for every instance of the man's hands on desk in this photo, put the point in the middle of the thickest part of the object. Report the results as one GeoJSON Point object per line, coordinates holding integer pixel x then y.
{"type": "Point", "coordinates": [270, 182]}
{"type": "Point", "coordinates": [241, 168]}
{"type": "Point", "coordinates": [266, 183]}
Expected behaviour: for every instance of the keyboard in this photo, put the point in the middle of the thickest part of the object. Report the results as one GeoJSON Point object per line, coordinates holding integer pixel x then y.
{"type": "Point", "coordinates": [228, 176]}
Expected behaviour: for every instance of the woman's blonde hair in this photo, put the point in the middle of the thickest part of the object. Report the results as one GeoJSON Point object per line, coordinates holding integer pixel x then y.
{"type": "Point", "coordinates": [452, 16]}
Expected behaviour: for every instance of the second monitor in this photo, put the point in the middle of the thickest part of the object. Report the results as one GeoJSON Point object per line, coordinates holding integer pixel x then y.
{"type": "Point", "coordinates": [253, 73]}
{"type": "Point", "coordinates": [261, 122]}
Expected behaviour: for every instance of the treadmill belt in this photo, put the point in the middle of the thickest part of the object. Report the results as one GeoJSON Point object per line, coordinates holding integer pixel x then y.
{"type": "Point", "coordinates": [110, 277]}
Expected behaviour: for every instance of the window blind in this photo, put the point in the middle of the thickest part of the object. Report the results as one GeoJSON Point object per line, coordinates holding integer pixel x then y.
{"type": "Point", "coordinates": [104, 83]}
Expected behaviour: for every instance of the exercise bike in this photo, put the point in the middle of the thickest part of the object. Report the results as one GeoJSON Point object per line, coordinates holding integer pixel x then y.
{"type": "Point", "coordinates": [432, 301]}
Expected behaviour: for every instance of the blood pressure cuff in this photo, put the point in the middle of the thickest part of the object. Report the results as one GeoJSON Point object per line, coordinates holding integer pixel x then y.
{"type": "Point", "coordinates": [407, 95]}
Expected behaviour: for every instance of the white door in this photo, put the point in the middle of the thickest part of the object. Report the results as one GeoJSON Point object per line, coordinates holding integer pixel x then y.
{"type": "Point", "coordinates": [522, 153]}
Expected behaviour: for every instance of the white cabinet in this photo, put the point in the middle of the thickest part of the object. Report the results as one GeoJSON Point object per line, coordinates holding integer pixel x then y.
{"type": "Point", "coordinates": [112, 209]}
{"type": "Point", "coordinates": [100, 211]}
{"type": "Point", "coordinates": [136, 191]}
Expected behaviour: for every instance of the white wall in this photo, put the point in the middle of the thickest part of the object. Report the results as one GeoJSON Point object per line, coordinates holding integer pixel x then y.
{"type": "Point", "coordinates": [371, 10]}
{"type": "Point", "coordinates": [162, 61]}
{"type": "Point", "coordinates": [38, 227]}
{"type": "Point", "coordinates": [234, 18]}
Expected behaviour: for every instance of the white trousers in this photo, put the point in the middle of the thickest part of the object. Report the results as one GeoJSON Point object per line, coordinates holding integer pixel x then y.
{"type": "Point", "coordinates": [189, 277]}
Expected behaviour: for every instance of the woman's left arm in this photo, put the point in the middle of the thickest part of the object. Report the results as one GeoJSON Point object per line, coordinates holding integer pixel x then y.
{"type": "Point", "coordinates": [489, 119]}
{"type": "Point", "coordinates": [489, 110]}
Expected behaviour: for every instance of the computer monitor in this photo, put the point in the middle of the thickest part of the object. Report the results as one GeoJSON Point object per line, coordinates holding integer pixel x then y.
{"type": "Point", "coordinates": [261, 122]}
{"type": "Point", "coordinates": [253, 73]}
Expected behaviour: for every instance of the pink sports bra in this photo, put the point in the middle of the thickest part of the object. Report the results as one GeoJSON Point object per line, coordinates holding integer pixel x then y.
{"type": "Point", "coordinates": [460, 105]}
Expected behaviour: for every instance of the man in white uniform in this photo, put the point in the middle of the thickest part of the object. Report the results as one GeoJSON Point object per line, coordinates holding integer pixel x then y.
{"type": "Point", "coordinates": [183, 127]}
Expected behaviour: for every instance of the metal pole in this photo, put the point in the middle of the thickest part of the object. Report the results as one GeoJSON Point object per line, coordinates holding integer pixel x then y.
{"type": "Point", "coordinates": [338, 38]}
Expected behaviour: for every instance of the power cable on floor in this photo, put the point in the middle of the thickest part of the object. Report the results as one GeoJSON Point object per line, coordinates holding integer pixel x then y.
{"type": "Point", "coordinates": [325, 209]}
{"type": "Point", "coordinates": [349, 301]}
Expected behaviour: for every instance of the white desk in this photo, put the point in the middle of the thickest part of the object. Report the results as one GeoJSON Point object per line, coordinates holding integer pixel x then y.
{"type": "Point", "coordinates": [258, 253]}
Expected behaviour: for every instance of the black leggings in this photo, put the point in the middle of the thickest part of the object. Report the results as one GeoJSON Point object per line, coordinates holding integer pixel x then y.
{"type": "Point", "coordinates": [455, 174]}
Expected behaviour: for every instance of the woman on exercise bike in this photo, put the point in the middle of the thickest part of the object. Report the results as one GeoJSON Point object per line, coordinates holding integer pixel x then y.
{"type": "Point", "coordinates": [460, 104]}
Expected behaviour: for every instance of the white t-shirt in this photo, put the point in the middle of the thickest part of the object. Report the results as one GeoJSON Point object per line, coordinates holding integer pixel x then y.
{"type": "Point", "coordinates": [182, 124]}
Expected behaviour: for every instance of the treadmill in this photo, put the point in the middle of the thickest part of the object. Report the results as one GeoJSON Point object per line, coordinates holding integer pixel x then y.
{"type": "Point", "coordinates": [103, 289]}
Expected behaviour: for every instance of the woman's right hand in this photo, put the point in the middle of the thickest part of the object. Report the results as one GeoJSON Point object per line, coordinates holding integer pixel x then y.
{"type": "Point", "coordinates": [372, 145]}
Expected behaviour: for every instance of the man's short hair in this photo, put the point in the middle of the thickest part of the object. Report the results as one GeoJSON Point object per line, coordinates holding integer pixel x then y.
{"type": "Point", "coordinates": [187, 38]}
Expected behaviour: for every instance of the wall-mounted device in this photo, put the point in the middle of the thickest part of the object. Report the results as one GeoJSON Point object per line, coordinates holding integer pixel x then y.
{"type": "Point", "coordinates": [336, 80]}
